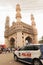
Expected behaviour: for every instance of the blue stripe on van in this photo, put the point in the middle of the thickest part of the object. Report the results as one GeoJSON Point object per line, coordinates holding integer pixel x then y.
{"type": "Point", "coordinates": [26, 59]}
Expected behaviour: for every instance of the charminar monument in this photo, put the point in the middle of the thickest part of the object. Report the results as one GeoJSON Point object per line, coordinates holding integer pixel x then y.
{"type": "Point", "coordinates": [20, 33]}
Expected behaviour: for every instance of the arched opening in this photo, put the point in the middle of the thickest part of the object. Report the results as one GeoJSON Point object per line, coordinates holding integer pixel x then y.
{"type": "Point", "coordinates": [12, 42]}
{"type": "Point", "coordinates": [28, 40]}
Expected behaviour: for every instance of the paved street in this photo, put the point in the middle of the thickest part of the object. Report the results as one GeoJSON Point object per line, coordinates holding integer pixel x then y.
{"type": "Point", "coordinates": [7, 59]}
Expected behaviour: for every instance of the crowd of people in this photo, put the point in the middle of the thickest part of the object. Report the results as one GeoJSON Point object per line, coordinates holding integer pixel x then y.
{"type": "Point", "coordinates": [8, 49]}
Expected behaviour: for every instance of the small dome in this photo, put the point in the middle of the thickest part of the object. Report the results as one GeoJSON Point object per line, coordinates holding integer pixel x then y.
{"type": "Point", "coordinates": [7, 18]}
{"type": "Point", "coordinates": [32, 17]}
{"type": "Point", "coordinates": [18, 7]}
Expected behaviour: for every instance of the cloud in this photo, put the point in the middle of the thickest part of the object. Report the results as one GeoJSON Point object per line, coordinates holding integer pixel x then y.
{"type": "Point", "coordinates": [28, 6]}
{"type": "Point", "coordinates": [25, 4]}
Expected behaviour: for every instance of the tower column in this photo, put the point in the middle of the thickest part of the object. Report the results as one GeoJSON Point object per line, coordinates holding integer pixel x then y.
{"type": "Point", "coordinates": [6, 31]}
{"type": "Point", "coordinates": [18, 14]}
{"type": "Point", "coordinates": [33, 24]}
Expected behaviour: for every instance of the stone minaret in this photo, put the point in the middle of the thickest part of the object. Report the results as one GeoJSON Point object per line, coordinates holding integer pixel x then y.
{"type": "Point", "coordinates": [6, 31]}
{"type": "Point", "coordinates": [18, 14]}
{"type": "Point", "coordinates": [33, 24]}
{"type": "Point", "coordinates": [7, 23]}
{"type": "Point", "coordinates": [7, 26]}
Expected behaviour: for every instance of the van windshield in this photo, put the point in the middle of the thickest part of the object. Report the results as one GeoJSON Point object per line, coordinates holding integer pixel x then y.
{"type": "Point", "coordinates": [31, 47]}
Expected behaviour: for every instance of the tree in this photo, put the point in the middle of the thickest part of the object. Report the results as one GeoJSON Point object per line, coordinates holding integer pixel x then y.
{"type": "Point", "coordinates": [41, 41]}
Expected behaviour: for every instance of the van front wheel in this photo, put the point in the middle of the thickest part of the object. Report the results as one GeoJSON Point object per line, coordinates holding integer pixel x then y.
{"type": "Point", "coordinates": [37, 62]}
{"type": "Point", "coordinates": [15, 58]}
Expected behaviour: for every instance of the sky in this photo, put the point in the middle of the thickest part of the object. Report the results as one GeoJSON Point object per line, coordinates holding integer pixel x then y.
{"type": "Point", "coordinates": [28, 7]}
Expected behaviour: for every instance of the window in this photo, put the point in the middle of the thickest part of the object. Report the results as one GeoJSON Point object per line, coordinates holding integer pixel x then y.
{"type": "Point", "coordinates": [22, 33]}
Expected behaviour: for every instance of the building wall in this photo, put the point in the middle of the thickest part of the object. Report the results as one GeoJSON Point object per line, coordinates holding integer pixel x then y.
{"type": "Point", "coordinates": [35, 40]}
{"type": "Point", "coordinates": [7, 42]}
{"type": "Point", "coordinates": [20, 39]}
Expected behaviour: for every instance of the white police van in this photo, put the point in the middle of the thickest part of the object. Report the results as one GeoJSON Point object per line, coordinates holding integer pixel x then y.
{"type": "Point", "coordinates": [30, 54]}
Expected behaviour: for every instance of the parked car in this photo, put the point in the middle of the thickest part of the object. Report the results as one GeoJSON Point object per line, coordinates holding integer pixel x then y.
{"type": "Point", "coordinates": [30, 54]}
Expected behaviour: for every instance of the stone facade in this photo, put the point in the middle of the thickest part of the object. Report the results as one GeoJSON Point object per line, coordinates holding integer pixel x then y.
{"type": "Point", "coordinates": [20, 33]}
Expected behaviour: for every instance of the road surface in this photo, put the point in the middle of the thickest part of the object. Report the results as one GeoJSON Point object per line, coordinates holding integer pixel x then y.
{"type": "Point", "coordinates": [7, 59]}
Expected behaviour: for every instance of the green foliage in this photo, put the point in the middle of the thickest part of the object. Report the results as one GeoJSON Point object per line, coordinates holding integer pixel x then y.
{"type": "Point", "coordinates": [41, 41]}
